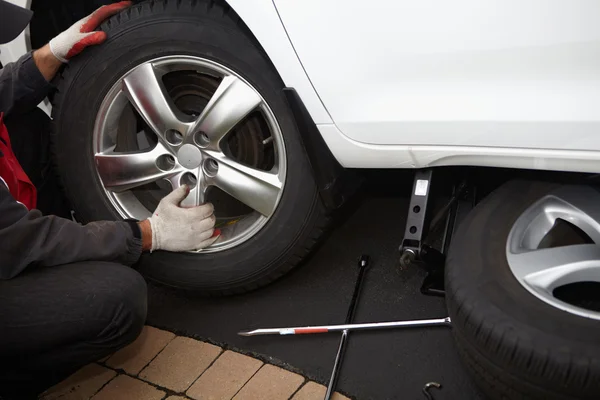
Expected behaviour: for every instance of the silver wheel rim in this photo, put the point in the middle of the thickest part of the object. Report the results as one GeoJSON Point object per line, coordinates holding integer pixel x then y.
{"type": "Point", "coordinates": [542, 270]}
{"type": "Point", "coordinates": [189, 148]}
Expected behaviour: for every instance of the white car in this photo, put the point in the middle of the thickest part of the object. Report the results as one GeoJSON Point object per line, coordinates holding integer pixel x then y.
{"type": "Point", "coordinates": [265, 106]}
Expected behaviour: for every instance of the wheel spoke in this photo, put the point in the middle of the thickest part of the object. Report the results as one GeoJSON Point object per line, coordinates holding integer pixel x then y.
{"type": "Point", "coordinates": [579, 206]}
{"type": "Point", "coordinates": [148, 95]}
{"type": "Point", "coordinates": [257, 189]}
{"type": "Point", "coordinates": [124, 171]}
{"type": "Point", "coordinates": [232, 101]}
{"type": "Point", "coordinates": [546, 269]}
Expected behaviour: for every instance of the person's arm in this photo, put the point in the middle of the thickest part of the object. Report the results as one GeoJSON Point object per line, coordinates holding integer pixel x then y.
{"type": "Point", "coordinates": [46, 62]}
{"type": "Point", "coordinates": [25, 83]}
{"type": "Point", "coordinates": [28, 238]}
{"type": "Point", "coordinates": [22, 85]}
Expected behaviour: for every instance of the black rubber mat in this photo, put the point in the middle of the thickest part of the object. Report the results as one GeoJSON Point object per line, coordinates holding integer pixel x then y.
{"type": "Point", "coordinates": [392, 364]}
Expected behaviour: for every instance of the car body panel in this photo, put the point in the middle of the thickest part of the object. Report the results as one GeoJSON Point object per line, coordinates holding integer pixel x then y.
{"type": "Point", "coordinates": [499, 73]}
{"type": "Point", "coordinates": [353, 154]}
{"type": "Point", "coordinates": [402, 84]}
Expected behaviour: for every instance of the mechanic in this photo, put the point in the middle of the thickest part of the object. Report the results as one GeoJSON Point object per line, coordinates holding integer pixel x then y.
{"type": "Point", "coordinates": [67, 294]}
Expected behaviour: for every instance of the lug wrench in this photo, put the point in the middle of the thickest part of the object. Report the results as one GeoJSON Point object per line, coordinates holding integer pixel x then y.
{"type": "Point", "coordinates": [348, 326]}
{"type": "Point", "coordinates": [302, 330]}
{"type": "Point", "coordinates": [363, 263]}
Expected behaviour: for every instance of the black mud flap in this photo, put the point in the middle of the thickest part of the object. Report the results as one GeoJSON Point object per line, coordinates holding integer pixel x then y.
{"type": "Point", "coordinates": [336, 184]}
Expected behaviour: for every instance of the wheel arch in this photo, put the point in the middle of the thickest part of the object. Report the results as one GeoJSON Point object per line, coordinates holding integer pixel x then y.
{"type": "Point", "coordinates": [263, 23]}
{"type": "Point", "coordinates": [260, 17]}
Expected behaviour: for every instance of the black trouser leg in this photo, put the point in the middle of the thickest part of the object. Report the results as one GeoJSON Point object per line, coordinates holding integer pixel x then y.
{"type": "Point", "coordinates": [30, 138]}
{"type": "Point", "coordinates": [54, 320]}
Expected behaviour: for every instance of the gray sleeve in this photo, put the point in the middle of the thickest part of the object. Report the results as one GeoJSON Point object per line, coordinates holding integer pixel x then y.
{"type": "Point", "coordinates": [28, 238]}
{"type": "Point", "coordinates": [22, 86]}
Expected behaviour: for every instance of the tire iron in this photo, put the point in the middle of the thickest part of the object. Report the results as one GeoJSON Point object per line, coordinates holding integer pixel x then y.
{"type": "Point", "coordinates": [363, 263]}
{"type": "Point", "coordinates": [303, 330]}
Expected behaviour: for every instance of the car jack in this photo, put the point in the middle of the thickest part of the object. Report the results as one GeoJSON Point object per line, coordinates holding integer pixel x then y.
{"type": "Point", "coordinates": [414, 250]}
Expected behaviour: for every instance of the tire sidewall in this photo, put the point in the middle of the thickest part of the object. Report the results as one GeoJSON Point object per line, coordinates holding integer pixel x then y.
{"type": "Point", "coordinates": [495, 317]}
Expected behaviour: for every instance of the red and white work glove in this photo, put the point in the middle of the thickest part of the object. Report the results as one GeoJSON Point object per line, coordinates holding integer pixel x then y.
{"type": "Point", "coordinates": [82, 33]}
{"type": "Point", "coordinates": [176, 228]}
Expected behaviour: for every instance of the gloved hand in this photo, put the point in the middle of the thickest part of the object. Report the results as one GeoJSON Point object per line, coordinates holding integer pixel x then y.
{"type": "Point", "coordinates": [81, 34]}
{"type": "Point", "coordinates": [175, 228]}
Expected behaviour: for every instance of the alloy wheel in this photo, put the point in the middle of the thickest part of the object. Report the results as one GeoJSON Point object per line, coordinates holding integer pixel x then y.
{"type": "Point", "coordinates": [178, 120]}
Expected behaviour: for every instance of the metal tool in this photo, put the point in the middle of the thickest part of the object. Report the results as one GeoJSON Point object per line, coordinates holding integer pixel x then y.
{"type": "Point", "coordinates": [363, 263]}
{"type": "Point", "coordinates": [430, 385]}
{"type": "Point", "coordinates": [350, 327]}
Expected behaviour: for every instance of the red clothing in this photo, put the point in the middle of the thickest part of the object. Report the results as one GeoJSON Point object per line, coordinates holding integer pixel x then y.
{"type": "Point", "coordinates": [12, 174]}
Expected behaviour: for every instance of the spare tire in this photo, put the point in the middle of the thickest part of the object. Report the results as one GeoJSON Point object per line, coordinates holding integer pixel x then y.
{"type": "Point", "coordinates": [510, 268]}
{"type": "Point", "coordinates": [181, 93]}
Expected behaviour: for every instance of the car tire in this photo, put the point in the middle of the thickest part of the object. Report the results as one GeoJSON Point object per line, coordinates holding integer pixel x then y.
{"type": "Point", "coordinates": [208, 29]}
{"type": "Point", "coordinates": [514, 345]}
{"type": "Point", "coordinates": [51, 18]}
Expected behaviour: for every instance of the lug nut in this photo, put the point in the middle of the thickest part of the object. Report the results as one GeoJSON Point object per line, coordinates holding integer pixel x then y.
{"type": "Point", "coordinates": [174, 137]}
{"type": "Point", "coordinates": [211, 167]}
{"type": "Point", "coordinates": [201, 139]}
{"type": "Point", "coordinates": [189, 179]}
{"type": "Point", "coordinates": [166, 162]}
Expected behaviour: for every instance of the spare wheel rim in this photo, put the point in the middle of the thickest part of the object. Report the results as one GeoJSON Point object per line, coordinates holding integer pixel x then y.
{"type": "Point", "coordinates": [189, 120]}
{"type": "Point", "coordinates": [542, 270]}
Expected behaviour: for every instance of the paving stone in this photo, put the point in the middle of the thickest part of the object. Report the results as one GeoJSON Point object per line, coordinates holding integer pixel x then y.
{"type": "Point", "coordinates": [138, 354]}
{"type": "Point", "coordinates": [272, 383]}
{"type": "Point", "coordinates": [314, 391]}
{"type": "Point", "coordinates": [83, 384]}
{"type": "Point", "coordinates": [124, 387]}
{"type": "Point", "coordinates": [225, 377]}
{"type": "Point", "coordinates": [180, 363]}
{"type": "Point", "coordinates": [310, 391]}
{"type": "Point", "coordinates": [339, 396]}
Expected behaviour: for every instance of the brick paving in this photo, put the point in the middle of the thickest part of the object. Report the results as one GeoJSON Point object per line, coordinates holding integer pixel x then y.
{"type": "Point", "coordinates": [270, 382]}
{"type": "Point", "coordinates": [124, 387]}
{"type": "Point", "coordinates": [180, 363]}
{"type": "Point", "coordinates": [162, 366]}
{"type": "Point", "coordinates": [225, 378]}
{"type": "Point", "coordinates": [137, 355]}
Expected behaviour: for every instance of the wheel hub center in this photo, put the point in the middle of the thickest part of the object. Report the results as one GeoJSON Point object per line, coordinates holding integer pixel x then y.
{"type": "Point", "coordinates": [189, 156]}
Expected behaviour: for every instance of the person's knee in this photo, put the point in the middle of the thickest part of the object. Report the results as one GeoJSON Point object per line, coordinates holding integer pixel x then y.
{"type": "Point", "coordinates": [122, 295]}
{"type": "Point", "coordinates": [130, 297]}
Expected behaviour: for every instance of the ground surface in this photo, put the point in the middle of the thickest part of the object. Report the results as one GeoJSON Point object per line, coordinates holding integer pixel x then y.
{"type": "Point", "coordinates": [392, 364]}
{"type": "Point", "coordinates": [160, 365]}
